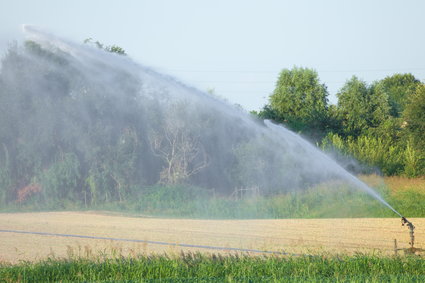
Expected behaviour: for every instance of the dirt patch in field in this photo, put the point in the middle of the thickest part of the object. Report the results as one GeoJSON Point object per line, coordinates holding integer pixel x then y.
{"type": "Point", "coordinates": [289, 235]}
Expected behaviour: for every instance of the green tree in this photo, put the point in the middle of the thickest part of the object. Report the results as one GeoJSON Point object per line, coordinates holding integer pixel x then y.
{"type": "Point", "coordinates": [334, 123]}
{"type": "Point", "coordinates": [360, 107]}
{"type": "Point", "coordinates": [268, 113]}
{"type": "Point", "coordinates": [398, 88]}
{"type": "Point", "coordinates": [300, 100]}
{"type": "Point", "coordinates": [109, 48]}
{"type": "Point", "coordinates": [414, 117]}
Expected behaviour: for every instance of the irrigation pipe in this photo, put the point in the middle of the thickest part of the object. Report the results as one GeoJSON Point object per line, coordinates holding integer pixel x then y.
{"type": "Point", "coordinates": [150, 242]}
{"type": "Point", "coordinates": [235, 235]}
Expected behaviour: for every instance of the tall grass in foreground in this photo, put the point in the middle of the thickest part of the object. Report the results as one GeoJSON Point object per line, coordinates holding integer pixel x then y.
{"type": "Point", "coordinates": [216, 268]}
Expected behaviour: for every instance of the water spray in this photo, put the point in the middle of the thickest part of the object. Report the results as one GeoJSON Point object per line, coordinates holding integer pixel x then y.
{"type": "Point", "coordinates": [339, 170]}
{"type": "Point", "coordinates": [311, 159]}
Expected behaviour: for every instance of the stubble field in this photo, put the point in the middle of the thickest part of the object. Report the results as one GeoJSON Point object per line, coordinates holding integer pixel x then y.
{"type": "Point", "coordinates": [299, 236]}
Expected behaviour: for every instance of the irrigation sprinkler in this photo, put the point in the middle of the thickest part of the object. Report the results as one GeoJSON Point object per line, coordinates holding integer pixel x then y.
{"type": "Point", "coordinates": [411, 227]}
{"type": "Point", "coordinates": [411, 249]}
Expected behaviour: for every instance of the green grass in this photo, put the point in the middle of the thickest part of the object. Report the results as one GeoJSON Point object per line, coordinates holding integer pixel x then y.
{"type": "Point", "coordinates": [325, 201]}
{"type": "Point", "coordinates": [216, 268]}
{"type": "Point", "coordinates": [328, 200]}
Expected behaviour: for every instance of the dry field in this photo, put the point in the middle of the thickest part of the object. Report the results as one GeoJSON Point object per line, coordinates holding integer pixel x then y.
{"type": "Point", "coordinates": [290, 235]}
{"type": "Point", "coordinates": [396, 183]}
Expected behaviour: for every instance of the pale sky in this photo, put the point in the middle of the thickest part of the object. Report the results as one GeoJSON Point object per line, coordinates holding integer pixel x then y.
{"type": "Point", "coordinates": [238, 47]}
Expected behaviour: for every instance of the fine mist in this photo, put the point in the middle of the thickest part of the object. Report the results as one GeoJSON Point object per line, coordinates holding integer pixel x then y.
{"type": "Point", "coordinates": [82, 125]}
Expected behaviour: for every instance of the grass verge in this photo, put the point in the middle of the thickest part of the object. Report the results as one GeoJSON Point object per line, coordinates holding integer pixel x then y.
{"type": "Point", "coordinates": [327, 200]}
{"type": "Point", "coordinates": [216, 268]}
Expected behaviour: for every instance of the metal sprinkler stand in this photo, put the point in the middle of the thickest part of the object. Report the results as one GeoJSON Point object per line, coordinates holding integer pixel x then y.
{"type": "Point", "coordinates": [412, 249]}
{"type": "Point", "coordinates": [411, 227]}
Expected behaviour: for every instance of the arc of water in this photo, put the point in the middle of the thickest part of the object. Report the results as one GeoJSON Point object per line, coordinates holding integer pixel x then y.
{"type": "Point", "coordinates": [338, 169]}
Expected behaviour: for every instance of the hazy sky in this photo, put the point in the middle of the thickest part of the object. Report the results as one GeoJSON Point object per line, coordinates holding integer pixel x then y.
{"type": "Point", "coordinates": [238, 47]}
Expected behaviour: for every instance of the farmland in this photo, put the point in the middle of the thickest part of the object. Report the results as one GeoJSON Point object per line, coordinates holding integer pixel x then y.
{"type": "Point", "coordinates": [299, 236]}
{"type": "Point", "coordinates": [348, 249]}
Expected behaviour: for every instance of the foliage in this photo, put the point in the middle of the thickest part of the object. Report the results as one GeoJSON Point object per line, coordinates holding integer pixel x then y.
{"type": "Point", "coordinates": [269, 113]}
{"type": "Point", "coordinates": [94, 135]}
{"type": "Point", "coordinates": [61, 179]}
{"type": "Point", "coordinates": [189, 267]}
{"type": "Point", "coordinates": [380, 124]}
{"type": "Point", "coordinates": [398, 88]}
{"type": "Point", "coordinates": [414, 116]}
{"type": "Point", "coordinates": [328, 200]}
{"type": "Point", "coordinates": [66, 138]}
{"type": "Point", "coordinates": [42, 121]}
{"type": "Point", "coordinates": [178, 145]}
{"type": "Point", "coordinates": [300, 100]}
{"type": "Point", "coordinates": [360, 107]}
{"type": "Point", "coordinates": [110, 48]}
{"type": "Point", "coordinates": [377, 152]}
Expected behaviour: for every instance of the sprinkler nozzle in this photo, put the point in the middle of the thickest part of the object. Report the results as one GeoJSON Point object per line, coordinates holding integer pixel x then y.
{"type": "Point", "coordinates": [406, 222]}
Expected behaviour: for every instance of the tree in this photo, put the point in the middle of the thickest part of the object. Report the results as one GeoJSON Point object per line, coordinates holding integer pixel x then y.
{"type": "Point", "coordinates": [268, 113]}
{"type": "Point", "coordinates": [178, 146]}
{"type": "Point", "coordinates": [109, 48]}
{"type": "Point", "coordinates": [414, 117]}
{"type": "Point", "coordinates": [300, 100]}
{"type": "Point", "coordinates": [360, 107]}
{"type": "Point", "coordinates": [398, 88]}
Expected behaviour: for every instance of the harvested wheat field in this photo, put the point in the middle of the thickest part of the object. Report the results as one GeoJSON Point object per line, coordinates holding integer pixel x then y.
{"type": "Point", "coordinates": [309, 236]}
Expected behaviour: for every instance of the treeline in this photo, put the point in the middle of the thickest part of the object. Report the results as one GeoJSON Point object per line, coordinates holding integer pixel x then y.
{"type": "Point", "coordinates": [381, 124]}
{"type": "Point", "coordinates": [82, 126]}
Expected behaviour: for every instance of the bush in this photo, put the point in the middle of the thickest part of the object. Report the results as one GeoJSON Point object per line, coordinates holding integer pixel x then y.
{"type": "Point", "coordinates": [375, 152]}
